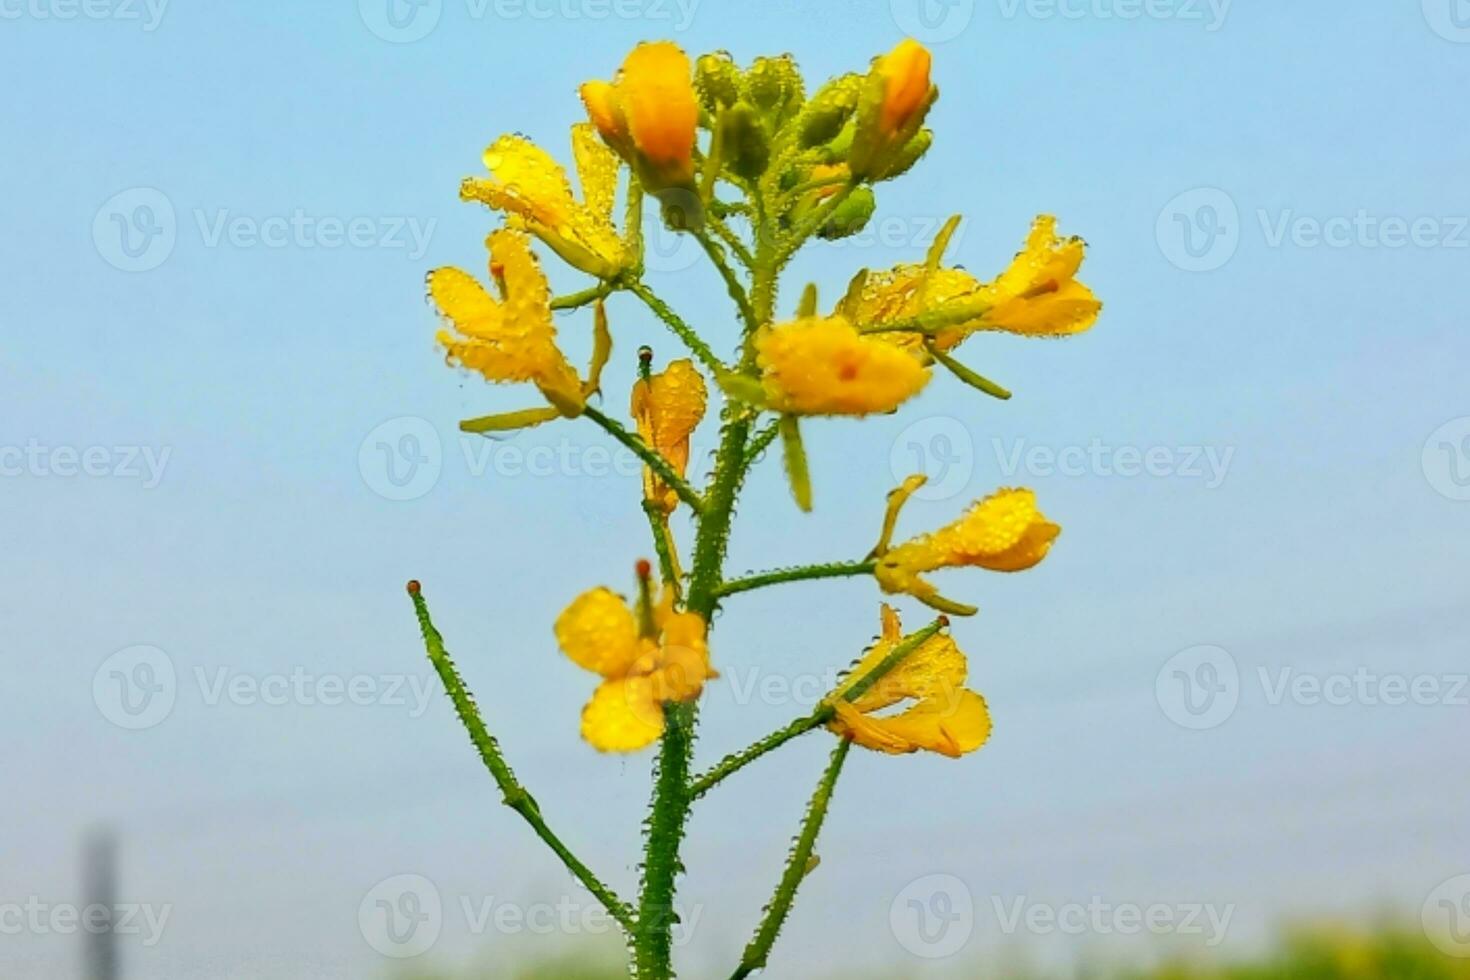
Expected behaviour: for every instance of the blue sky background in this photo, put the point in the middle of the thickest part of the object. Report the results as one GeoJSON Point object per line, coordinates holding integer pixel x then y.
{"type": "Point", "coordinates": [1331, 377]}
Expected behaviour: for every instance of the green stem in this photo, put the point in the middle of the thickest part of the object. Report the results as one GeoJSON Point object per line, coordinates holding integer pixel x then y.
{"type": "Point", "coordinates": [653, 459]}
{"type": "Point", "coordinates": [797, 866]}
{"type": "Point", "coordinates": [591, 294]}
{"type": "Point", "coordinates": [728, 236]}
{"type": "Point", "coordinates": [836, 569]}
{"type": "Point", "coordinates": [813, 221]}
{"type": "Point", "coordinates": [733, 285]}
{"type": "Point", "coordinates": [653, 940]}
{"type": "Point", "coordinates": [663, 545]}
{"type": "Point", "coordinates": [515, 795]}
{"type": "Point", "coordinates": [681, 329]}
{"type": "Point", "coordinates": [932, 321]}
{"type": "Point", "coordinates": [761, 441]}
{"type": "Point", "coordinates": [707, 781]}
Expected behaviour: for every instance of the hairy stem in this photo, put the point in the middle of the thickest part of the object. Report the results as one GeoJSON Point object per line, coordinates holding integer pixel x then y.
{"type": "Point", "coordinates": [591, 294]}
{"type": "Point", "coordinates": [675, 323]}
{"type": "Point", "coordinates": [836, 569]}
{"type": "Point", "coordinates": [707, 781]}
{"type": "Point", "coordinates": [650, 456]}
{"type": "Point", "coordinates": [733, 285]}
{"type": "Point", "coordinates": [759, 949]}
{"type": "Point", "coordinates": [515, 795]}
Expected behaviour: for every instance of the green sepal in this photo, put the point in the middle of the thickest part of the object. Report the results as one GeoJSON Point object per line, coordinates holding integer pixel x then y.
{"type": "Point", "coordinates": [794, 453]}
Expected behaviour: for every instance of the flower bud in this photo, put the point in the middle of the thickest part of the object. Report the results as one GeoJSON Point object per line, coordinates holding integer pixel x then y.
{"type": "Point", "coordinates": [824, 115]}
{"type": "Point", "coordinates": [774, 86]}
{"type": "Point", "coordinates": [717, 80]}
{"type": "Point", "coordinates": [895, 98]}
{"type": "Point", "coordinates": [648, 115]}
{"type": "Point", "coordinates": [851, 215]}
{"type": "Point", "coordinates": [746, 148]}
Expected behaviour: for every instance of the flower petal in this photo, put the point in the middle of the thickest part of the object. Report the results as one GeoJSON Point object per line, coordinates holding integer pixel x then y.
{"type": "Point", "coordinates": [622, 716]}
{"type": "Point", "coordinates": [597, 171]}
{"type": "Point", "coordinates": [599, 633]}
{"type": "Point", "coordinates": [823, 366]}
{"type": "Point", "coordinates": [951, 727]}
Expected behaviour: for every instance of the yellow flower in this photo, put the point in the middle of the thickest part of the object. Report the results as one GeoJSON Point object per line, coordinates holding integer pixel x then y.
{"type": "Point", "coordinates": [1038, 296]}
{"type": "Point", "coordinates": [648, 114]}
{"type": "Point", "coordinates": [641, 672]}
{"type": "Point", "coordinates": [668, 407]}
{"type": "Point", "coordinates": [823, 366]}
{"type": "Point", "coordinates": [895, 99]}
{"type": "Point", "coordinates": [510, 338]}
{"type": "Point", "coordinates": [532, 188]}
{"type": "Point", "coordinates": [942, 715]}
{"type": "Point", "coordinates": [1005, 532]}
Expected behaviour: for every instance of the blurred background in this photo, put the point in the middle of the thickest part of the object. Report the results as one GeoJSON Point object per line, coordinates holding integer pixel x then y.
{"type": "Point", "coordinates": [1233, 699]}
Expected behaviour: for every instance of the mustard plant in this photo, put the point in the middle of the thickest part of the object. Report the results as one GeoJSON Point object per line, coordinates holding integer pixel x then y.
{"type": "Point", "coordinates": [753, 168]}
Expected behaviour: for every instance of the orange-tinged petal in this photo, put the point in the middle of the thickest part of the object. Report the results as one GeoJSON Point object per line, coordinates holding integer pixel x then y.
{"type": "Point", "coordinates": [905, 72]}
{"type": "Point", "coordinates": [599, 633]}
{"type": "Point", "coordinates": [657, 91]}
{"type": "Point", "coordinates": [667, 408]}
{"type": "Point", "coordinates": [601, 101]}
{"type": "Point", "coordinates": [623, 716]}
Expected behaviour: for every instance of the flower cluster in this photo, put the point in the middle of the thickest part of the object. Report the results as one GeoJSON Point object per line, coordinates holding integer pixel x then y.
{"type": "Point", "coordinates": [752, 167]}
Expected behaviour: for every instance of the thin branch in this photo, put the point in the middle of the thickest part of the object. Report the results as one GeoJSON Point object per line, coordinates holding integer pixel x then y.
{"type": "Point", "coordinates": [836, 569]}
{"type": "Point", "coordinates": [515, 795]}
{"type": "Point", "coordinates": [652, 458]}
{"type": "Point", "coordinates": [733, 285]}
{"type": "Point", "coordinates": [591, 294]}
{"type": "Point", "coordinates": [663, 546]}
{"type": "Point", "coordinates": [808, 227]}
{"type": "Point", "coordinates": [797, 866]}
{"type": "Point", "coordinates": [761, 441]}
{"type": "Point", "coordinates": [681, 329]}
{"type": "Point", "coordinates": [707, 781]}
{"type": "Point", "coordinates": [728, 236]}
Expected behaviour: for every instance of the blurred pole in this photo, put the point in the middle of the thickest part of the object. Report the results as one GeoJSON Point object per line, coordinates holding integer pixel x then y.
{"type": "Point", "coordinates": [100, 871]}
